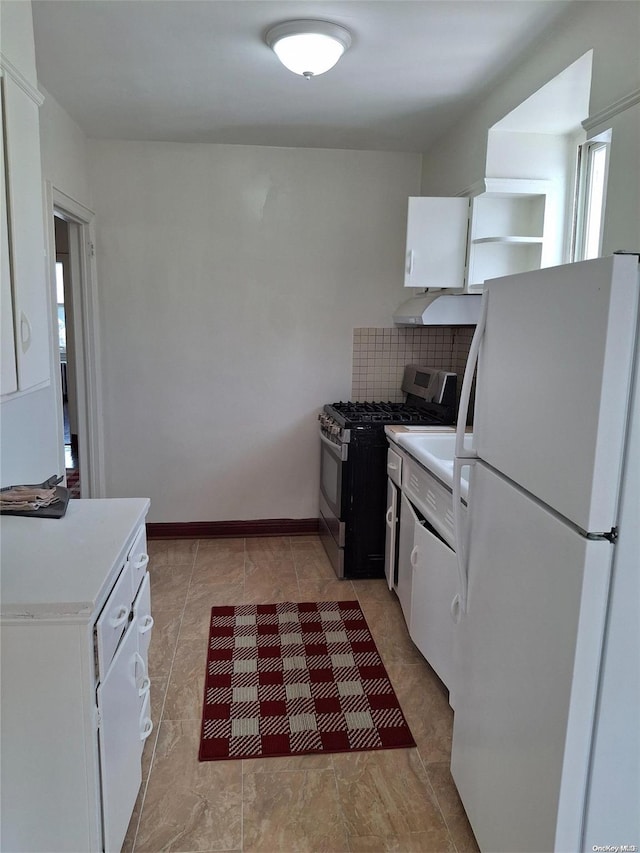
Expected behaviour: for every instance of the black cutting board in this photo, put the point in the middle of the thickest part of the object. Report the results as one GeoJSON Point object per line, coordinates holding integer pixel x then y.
{"type": "Point", "coordinates": [56, 510]}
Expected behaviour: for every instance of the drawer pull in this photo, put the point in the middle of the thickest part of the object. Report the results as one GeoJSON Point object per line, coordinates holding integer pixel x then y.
{"type": "Point", "coordinates": [145, 624]}
{"type": "Point", "coordinates": [25, 331]}
{"type": "Point", "coordinates": [142, 562]}
{"type": "Point", "coordinates": [146, 728]}
{"type": "Point", "coordinates": [456, 609]}
{"type": "Point", "coordinates": [120, 617]}
{"type": "Point", "coordinates": [143, 679]}
{"type": "Point", "coordinates": [139, 661]}
{"type": "Point", "coordinates": [413, 559]}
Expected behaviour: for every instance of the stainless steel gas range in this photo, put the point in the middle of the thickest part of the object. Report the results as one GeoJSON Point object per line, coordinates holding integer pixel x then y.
{"type": "Point", "coordinates": [353, 466]}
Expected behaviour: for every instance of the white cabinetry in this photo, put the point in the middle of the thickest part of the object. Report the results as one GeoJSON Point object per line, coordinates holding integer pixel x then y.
{"type": "Point", "coordinates": [25, 303]}
{"type": "Point", "coordinates": [407, 554]}
{"type": "Point", "coordinates": [9, 375]}
{"type": "Point", "coordinates": [436, 240]}
{"type": "Point", "coordinates": [427, 584]}
{"type": "Point", "coordinates": [457, 243]}
{"type": "Point", "coordinates": [427, 568]}
{"type": "Point", "coordinates": [434, 587]}
{"type": "Point", "coordinates": [75, 623]}
{"type": "Point", "coordinates": [392, 516]}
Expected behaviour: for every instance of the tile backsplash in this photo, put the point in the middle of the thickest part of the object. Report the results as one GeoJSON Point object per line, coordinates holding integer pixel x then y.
{"type": "Point", "coordinates": [380, 355]}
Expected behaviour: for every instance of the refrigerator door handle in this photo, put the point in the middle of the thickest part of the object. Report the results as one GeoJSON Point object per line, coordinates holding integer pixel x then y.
{"type": "Point", "coordinates": [467, 382]}
{"type": "Point", "coordinates": [459, 603]}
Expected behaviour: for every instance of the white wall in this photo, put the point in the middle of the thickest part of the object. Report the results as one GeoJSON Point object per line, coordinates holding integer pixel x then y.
{"type": "Point", "coordinates": [64, 151]}
{"type": "Point", "coordinates": [16, 37]}
{"type": "Point", "coordinates": [231, 278]}
{"type": "Point", "coordinates": [538, 155]}
{"type": "Point", "coordinates": [622, 208]}
{"type": "Point", "coordinates": [611, 28]}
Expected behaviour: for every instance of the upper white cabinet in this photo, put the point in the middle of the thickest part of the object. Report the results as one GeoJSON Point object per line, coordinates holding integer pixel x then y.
{"type": "Point", "coordinates": [436, 239]}
{"type": "Point", "coordinates": [458, 243]}
{"type": "Point", "coordinates": [9, 373]}
{"type": "Point", "coordinates": [25, 303]}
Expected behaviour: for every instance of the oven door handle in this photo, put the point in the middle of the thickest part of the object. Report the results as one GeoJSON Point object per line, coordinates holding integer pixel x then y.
{"type": "Point", "coordinates": [341, 450]}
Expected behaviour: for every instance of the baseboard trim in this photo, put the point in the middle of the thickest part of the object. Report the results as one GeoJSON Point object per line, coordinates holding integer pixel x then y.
{"type": "Point", "coordinates": [229, 529]}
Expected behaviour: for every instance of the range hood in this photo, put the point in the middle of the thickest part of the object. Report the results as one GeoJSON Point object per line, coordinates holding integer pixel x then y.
{"type": "Point", "coordinates": [439, 309]}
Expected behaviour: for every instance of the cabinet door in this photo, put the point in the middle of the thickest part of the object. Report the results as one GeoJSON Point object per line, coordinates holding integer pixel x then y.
{"type": "Point", "coordinates": [406, 555]}
{"type": "Point", "coordinates": [138, 558]}
{"type": "Point", "coordinates": [434, 587]}
{"type": "Point", "coordinates": [113, 620]}
{"type": "Point", "coordinates": [143, 621]}
{"type": "Point", "coordinates": [391, 537]}
{"type": "Point", "coordinates": [25, 212]}
{"type": "Point", "coordinates": [9, 376]}
{"type": "Point", "coordinates": [119, 734]}
{"type": "Point", "coordinates": [436, 242]}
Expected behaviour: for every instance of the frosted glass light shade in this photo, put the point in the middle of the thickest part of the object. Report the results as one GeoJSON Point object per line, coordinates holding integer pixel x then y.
{"type": "Point", "coordinates": [308, 48]}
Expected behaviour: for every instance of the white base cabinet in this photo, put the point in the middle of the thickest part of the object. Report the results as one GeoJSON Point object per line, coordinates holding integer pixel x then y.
{"type": "Point", "coordinates": [75, 621]}
{"type": "Point", "coordinates": [427, 566]}
{"type": "Point", "coordinates": [119, 734]}
{"type": "Point", "coordinates": [407, 555]}
{"type": "Point", "coordinates": [434, 587]}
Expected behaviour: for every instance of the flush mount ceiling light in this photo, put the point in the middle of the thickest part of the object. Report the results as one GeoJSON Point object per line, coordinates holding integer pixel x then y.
{"type": "Point", "coordinates": [308, 48]}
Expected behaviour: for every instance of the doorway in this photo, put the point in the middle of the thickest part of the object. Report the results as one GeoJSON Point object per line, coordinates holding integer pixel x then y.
{"type": "Point", "coordinates": [66, 356]}
{"type": "Point", "coordinates": [74, 305]}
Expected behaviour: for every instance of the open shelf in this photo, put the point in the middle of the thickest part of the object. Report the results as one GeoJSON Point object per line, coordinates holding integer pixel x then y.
{"type": "Point", "coordinates": [512, 240]}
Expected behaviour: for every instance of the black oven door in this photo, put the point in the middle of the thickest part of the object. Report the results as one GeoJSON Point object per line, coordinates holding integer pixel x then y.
{"type": "Point", "coordinates": [333, 465]}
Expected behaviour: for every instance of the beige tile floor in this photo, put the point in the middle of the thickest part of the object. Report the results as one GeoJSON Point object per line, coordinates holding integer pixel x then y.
{"type": "Point", "coordinates": [400, 800]}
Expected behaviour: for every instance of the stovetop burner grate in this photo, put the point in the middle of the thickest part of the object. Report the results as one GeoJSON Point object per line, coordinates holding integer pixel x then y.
{"type": "Point", "coordinates": [352, 414]}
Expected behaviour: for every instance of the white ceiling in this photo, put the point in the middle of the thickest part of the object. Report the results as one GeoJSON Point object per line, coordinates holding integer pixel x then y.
{"type": "Point", "coordinates": [199, 70]}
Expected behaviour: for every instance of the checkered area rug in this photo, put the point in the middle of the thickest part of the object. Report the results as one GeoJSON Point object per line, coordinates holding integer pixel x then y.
{"type": "Point", "coordinates": [73, 482]}
{"type": "Point", "coordinates": [293, 679]}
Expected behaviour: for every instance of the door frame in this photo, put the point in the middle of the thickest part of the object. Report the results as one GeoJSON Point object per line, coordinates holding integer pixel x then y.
{"type": "Point", "coordinates": [86, 327]}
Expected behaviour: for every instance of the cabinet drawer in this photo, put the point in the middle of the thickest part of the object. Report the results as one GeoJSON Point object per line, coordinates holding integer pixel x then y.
{"type": "Point", "coordinates": [142, 617]}
{"type": "Point", "coordinates": [114, 619]}
{"type": "Point", "coordinates": [138, 558]}
{"type": "Point", "coordinates": [394, 466]}
{"type": "Point", "coordinates": [145, 726]}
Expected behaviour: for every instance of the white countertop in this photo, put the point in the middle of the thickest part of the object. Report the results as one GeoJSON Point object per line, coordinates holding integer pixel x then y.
{"type": "Point", "coordinates": [54, 568]}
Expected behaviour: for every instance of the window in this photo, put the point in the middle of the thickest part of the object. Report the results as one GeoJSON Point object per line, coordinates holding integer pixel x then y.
{"type": "Point", "coordinates": [593, 162]}
{"type": "Point", "coordinates": [62, 326]}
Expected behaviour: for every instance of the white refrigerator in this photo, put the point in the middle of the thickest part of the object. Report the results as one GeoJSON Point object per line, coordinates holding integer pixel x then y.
{"type": "Point", "coordinates": [546, 746]}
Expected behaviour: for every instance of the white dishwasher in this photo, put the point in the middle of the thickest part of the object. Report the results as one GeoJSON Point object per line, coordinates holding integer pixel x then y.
{"type": "Point", "coordinates": [427, 566]}
{"type": "Point", "coordinates": [75, 622]}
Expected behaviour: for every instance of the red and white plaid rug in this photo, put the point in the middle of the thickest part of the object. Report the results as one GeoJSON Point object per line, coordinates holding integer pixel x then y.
{"type": "Point", "coordinates": [293, 679]}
